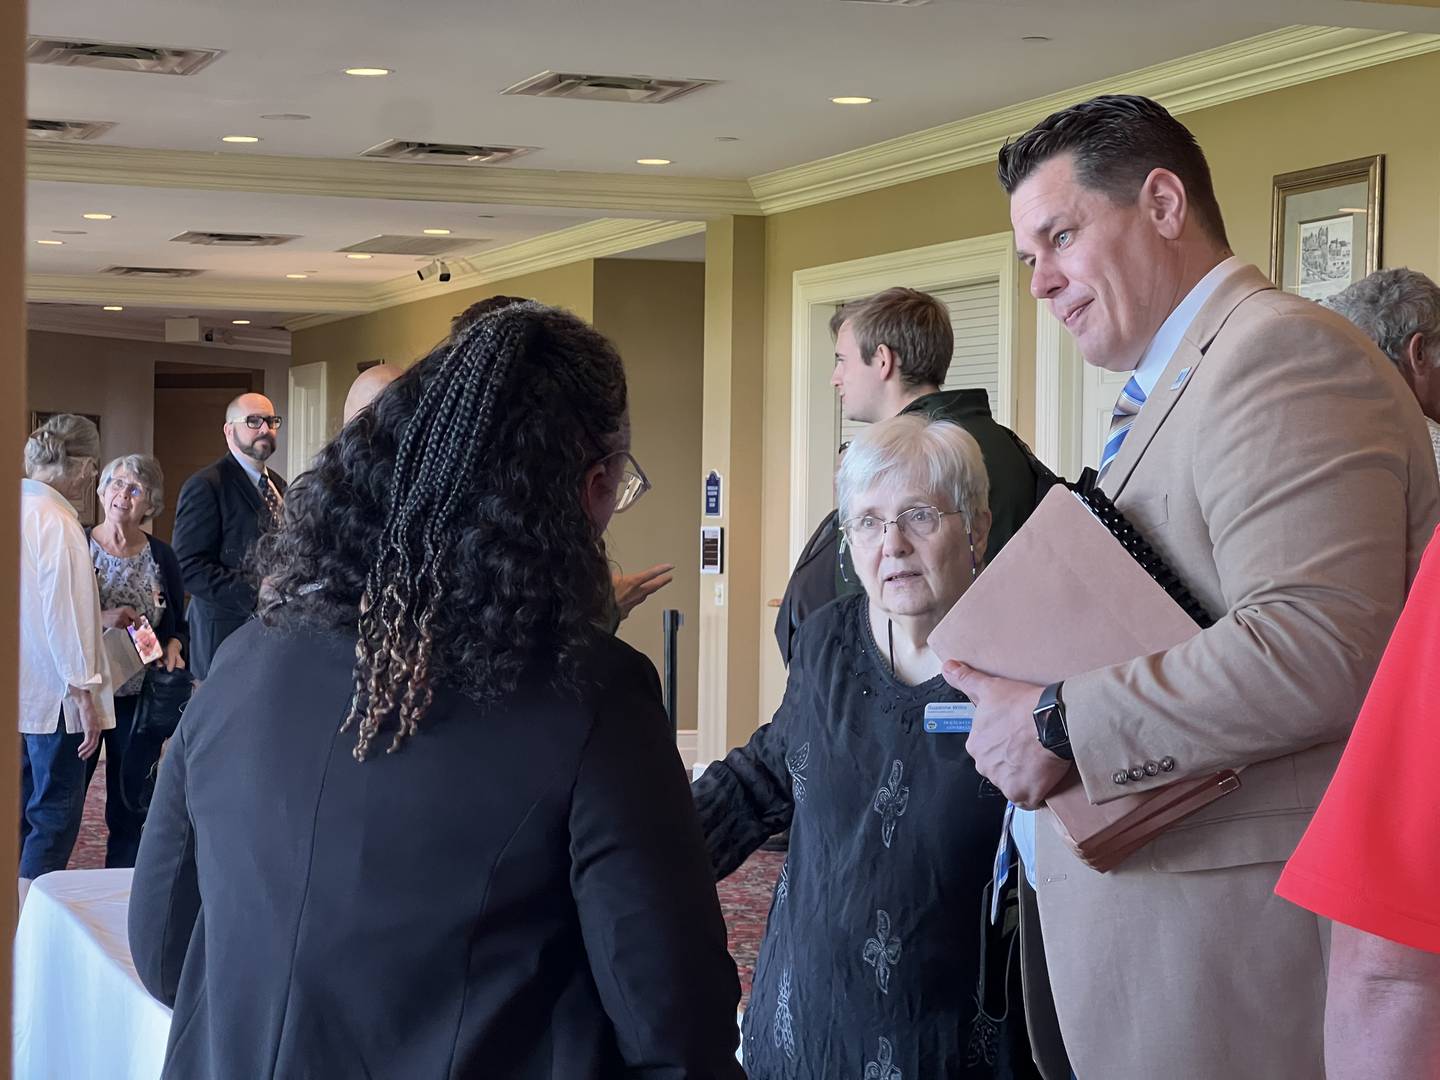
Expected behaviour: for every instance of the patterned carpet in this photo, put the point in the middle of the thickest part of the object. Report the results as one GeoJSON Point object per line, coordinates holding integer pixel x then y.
{"type": "Point", "coordinates": [744, 895]}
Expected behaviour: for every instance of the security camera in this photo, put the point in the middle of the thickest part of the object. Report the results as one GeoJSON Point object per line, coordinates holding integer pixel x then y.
{"type": "Point", "coordinates": [444, 272]}
{"type": "Point", "coordinates": [428, 271]}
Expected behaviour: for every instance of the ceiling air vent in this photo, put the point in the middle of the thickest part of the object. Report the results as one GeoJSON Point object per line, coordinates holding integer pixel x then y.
{"type": "Point", "coordinates": [230, 239]}
{"type": "Point", "coordinates": [631, 89]}
{"type": "Point", "coordinates": [445, 153]}
{"type": "Point", "coordinates": [151, 271]}
{"type": "Point", "coordinates": [147, 59]}
{"type": "Point", "coordinates": [66, 130]}
{"type": "Point", "coordinates": [430, 246]}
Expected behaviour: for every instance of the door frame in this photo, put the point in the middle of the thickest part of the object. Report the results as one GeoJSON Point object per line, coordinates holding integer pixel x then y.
{"type": "Point", "coordinates": [297, 461]}
{"type": "Point", "coordinates": [814, 293]}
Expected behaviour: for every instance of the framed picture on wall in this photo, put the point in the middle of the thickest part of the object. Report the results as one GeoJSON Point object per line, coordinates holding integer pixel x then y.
{"type": "Point", "coordinates": [89, 505]}
{"type": "Point", "coordinates": [1325, 226]}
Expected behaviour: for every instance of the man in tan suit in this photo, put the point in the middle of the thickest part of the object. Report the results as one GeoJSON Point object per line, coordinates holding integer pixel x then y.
{"type": "Point", "coordinates": [1277, 462]}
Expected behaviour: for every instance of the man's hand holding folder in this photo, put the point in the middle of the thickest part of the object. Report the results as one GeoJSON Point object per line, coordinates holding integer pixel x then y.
{"type": "Point", "coordinates": [1002, 740]}
{"type": "Point", "coordinates": [1066, 597]}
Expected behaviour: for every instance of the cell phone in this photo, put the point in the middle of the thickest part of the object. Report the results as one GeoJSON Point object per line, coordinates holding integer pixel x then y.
{"type": "Point", "coordinates": [147, 643]}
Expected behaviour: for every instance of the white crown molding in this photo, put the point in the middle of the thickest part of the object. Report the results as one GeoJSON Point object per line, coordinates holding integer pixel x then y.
{"type": "Point", "coordinates": [345, 177]}
{"type": "Point", "coordinates": [1258, 65]}
{"type": "Point", "coordinates": [49, 323]}
{"type": "Point", "coordinates": [316, 304]}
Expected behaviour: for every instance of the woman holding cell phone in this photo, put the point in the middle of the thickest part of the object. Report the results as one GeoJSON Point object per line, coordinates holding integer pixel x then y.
{"type": "Point", "coordinates": [141, 588]}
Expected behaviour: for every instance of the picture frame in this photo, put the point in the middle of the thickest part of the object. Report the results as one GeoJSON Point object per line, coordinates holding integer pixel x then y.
{"type": "Point", "coordinates": [1325, 226]}
{"type": "Point", "coordinates": [89, 505]}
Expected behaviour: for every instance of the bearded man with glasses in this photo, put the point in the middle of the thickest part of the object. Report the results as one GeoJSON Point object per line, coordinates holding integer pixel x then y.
{"type": "Point", "coordinates": [220, 515]}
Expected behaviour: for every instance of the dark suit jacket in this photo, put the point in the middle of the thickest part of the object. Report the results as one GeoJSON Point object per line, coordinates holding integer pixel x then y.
{"type": "Point", "coordinates": [172, 585]}
{"type": "Point", "coordinates": [218, 518]}
{"type": "Point", "coordinates": [521, 892]}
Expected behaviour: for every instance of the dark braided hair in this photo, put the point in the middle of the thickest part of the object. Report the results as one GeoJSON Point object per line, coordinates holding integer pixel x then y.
{"type": "Point", "coordinates": [446, 521]}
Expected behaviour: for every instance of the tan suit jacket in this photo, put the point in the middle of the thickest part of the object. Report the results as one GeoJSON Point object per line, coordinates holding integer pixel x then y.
{"type": "Point", "coordinates": [1283, 469]}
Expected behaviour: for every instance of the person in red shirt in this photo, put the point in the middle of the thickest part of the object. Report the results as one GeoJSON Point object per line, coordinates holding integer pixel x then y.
{"type": "Point", "coordinates": [1370, 861]}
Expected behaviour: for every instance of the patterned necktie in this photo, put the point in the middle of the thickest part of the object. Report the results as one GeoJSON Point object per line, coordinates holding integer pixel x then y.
{"type": "Point", "coordinates": [1126, 409]}
{"type": "Point", "coordinates": [270, 497]}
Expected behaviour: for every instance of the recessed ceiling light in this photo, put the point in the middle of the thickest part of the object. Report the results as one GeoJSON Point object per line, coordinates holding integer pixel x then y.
{"type": "Point", "coordinates": [852, 100]}
{"type": "Point", "coordinates": [653, 161]}
{"type": "Point", "coordinates": [285, 116]}
{"type": "Point", "coordinates": [50, 243]}
{"type": "Point", "coordinates": [240, 138]}
{"type": "Point", "coordinates": [98, 217]}
{"type": "Point", "coordinates": [436, 232]}
{"type": "Point", "coordinates": [239, 322]}
{"type": "Point", "coordinates": [358, 255]}
{"type": "Point", "coordinates": [296, 277]}
{"type": "Point", "coordinates": [113, 307]}
{"type": "Point", "coordinates": [367, 72]}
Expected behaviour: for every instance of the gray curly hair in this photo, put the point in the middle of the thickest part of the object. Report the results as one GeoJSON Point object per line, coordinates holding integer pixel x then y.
{"type": "Point", "coordinates": [60, 446]}
{"type": "Point", "coordinates": [1391, 307]}
{"type": "Point", "coordinates": [147, 472]}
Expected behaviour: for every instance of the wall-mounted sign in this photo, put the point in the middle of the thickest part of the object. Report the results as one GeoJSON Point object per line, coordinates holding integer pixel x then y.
{"type": "Point", "coordinates": [712, 494]}
{"type": "Point", "coordinates": [712, 549]}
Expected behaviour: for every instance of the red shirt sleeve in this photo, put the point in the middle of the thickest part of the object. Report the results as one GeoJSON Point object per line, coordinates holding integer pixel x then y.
{"type": "Point", "coordinates": [1371, 856]}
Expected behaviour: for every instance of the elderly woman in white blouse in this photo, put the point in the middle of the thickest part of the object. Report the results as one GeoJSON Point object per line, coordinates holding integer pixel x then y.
{"type": "Point", "coordinates": [65, 701]}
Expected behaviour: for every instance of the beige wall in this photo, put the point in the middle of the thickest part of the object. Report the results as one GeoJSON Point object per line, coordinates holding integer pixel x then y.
{"type": "Point", "coordinates": [404, 333]}
{"type": "Point", "coordinates": [114, 378]}
{"type": "Point", "coordinates": [654, 312]}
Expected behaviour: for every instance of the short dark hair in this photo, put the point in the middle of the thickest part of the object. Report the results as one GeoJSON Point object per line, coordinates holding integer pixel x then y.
{"type": "Point", "coordinates": [914, 324]}
{"type": "Point", "coordinates": [1116, 141]}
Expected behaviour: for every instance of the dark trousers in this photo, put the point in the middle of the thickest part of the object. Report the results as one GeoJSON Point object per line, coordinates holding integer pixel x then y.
{"type": "Point", "coordinates": [129, 780]}
{"type": "Point", "coordinates": [52, 798]}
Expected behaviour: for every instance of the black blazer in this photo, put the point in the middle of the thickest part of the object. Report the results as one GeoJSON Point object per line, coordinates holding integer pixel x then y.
{"type": "Point", "coordinates": [218, 518]}
{"type": "Point", "coordinates": [519, 893]}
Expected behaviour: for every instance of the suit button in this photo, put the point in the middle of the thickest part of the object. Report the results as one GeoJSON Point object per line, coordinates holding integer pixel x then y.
{"type": "Point", "coordinates": [1137, 773]}
{"type": "Point", "coordinates": [1167, 764]}
{"type": "Point", "coordinates": [1121, 776]}
{"type": "Point", "coordinates": [1151, 768]}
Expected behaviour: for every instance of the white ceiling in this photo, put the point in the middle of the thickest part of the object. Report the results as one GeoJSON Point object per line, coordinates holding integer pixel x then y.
{"type": "Point", "coordinates": [265, 331]}
{"type": "Point", "coordinates": [777, 61]}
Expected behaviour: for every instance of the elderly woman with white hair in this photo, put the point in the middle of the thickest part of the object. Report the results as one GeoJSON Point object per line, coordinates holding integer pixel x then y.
{"type": "Point", "coordinates": [139, 577]}
{"type": "Point", "coordinates": [64, 697]}
{"type": "Point", "coordinates": [877, 960]}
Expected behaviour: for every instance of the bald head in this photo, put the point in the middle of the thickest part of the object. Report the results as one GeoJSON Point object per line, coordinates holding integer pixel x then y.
{"type": "Point", "coordinates": [366, 388]}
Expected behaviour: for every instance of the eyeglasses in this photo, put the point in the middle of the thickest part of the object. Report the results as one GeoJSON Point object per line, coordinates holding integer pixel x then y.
{"type": "Point", "coordinates": [633, 482]}
{"type": "Point", "coordinates": [919, 522]}
{"type": "Point", "coordinates": [117, 486]}
{"type": "Point", "coordinates": [255, 421]}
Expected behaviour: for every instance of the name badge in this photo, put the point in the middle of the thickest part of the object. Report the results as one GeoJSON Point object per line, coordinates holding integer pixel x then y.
{"type": "Point", "coordinates": [949, 717]}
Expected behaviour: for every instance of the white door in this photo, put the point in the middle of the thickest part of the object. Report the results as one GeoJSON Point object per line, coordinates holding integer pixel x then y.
{"type": "Point", "coordinates": [307, 416]}
{"type": "Point", "coordinates": [1101, 391]}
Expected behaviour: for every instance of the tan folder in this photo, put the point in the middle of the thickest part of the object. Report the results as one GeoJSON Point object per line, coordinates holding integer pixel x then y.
{"type": "Point", "coordinates": [1065, 597]}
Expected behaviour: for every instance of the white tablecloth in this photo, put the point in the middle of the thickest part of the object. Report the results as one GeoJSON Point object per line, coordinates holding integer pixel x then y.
{"type": "Point", "coordinates": [80, 1011]}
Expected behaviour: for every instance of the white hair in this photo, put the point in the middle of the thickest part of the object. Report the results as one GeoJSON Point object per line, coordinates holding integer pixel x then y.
{"type": "Point", "coordinates": [937, 456]}
{"type": "Point", "coordinates": [61, 446]}
{"type": "Point", "coordinates": [146, 470]}
{"type": "Point", "coordinates": [1391, 307]}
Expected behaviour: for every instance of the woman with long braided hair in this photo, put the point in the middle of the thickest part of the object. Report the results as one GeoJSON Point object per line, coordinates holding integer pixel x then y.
{"type": "Point", "coordinates": [425, 818]}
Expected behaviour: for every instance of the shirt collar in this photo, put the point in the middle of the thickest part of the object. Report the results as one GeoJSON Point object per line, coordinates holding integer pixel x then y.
{"type": "Point", "coordinates": [43, 490]}
{"type": "Point", "coordinates": [251, 470]}
{"type": "Point", "coordinates": [1172, 331]}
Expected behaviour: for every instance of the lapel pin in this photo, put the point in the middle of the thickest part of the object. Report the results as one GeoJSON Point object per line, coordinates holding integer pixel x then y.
{"type": "Point", "coordinates": [1180, 379]}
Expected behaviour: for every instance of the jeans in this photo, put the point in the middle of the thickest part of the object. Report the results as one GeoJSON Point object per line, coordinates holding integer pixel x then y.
{"type": "Point", "coordinates": [52, 798]}
{"type": "Point", "coordinates": [129, 781]}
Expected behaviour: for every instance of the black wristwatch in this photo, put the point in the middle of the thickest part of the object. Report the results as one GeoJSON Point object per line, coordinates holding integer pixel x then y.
{"type": "Point", "coordinates": [1050, 725]}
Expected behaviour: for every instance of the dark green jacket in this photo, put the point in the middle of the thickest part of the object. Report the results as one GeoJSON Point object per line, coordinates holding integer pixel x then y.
{"type": "Point", "coordinates": [822, 573]}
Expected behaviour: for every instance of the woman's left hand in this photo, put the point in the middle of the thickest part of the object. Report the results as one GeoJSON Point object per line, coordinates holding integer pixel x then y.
{"type": "Point", "coordinates": [172, 655]}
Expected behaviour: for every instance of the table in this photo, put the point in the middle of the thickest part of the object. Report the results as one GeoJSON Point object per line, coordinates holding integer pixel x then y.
{"type": "Point", "coordinates": [80, 1011]}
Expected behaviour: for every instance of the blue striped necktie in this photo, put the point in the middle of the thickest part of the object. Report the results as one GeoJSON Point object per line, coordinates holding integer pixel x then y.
{"type": "Point", "coordinates": [1126, 409]}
